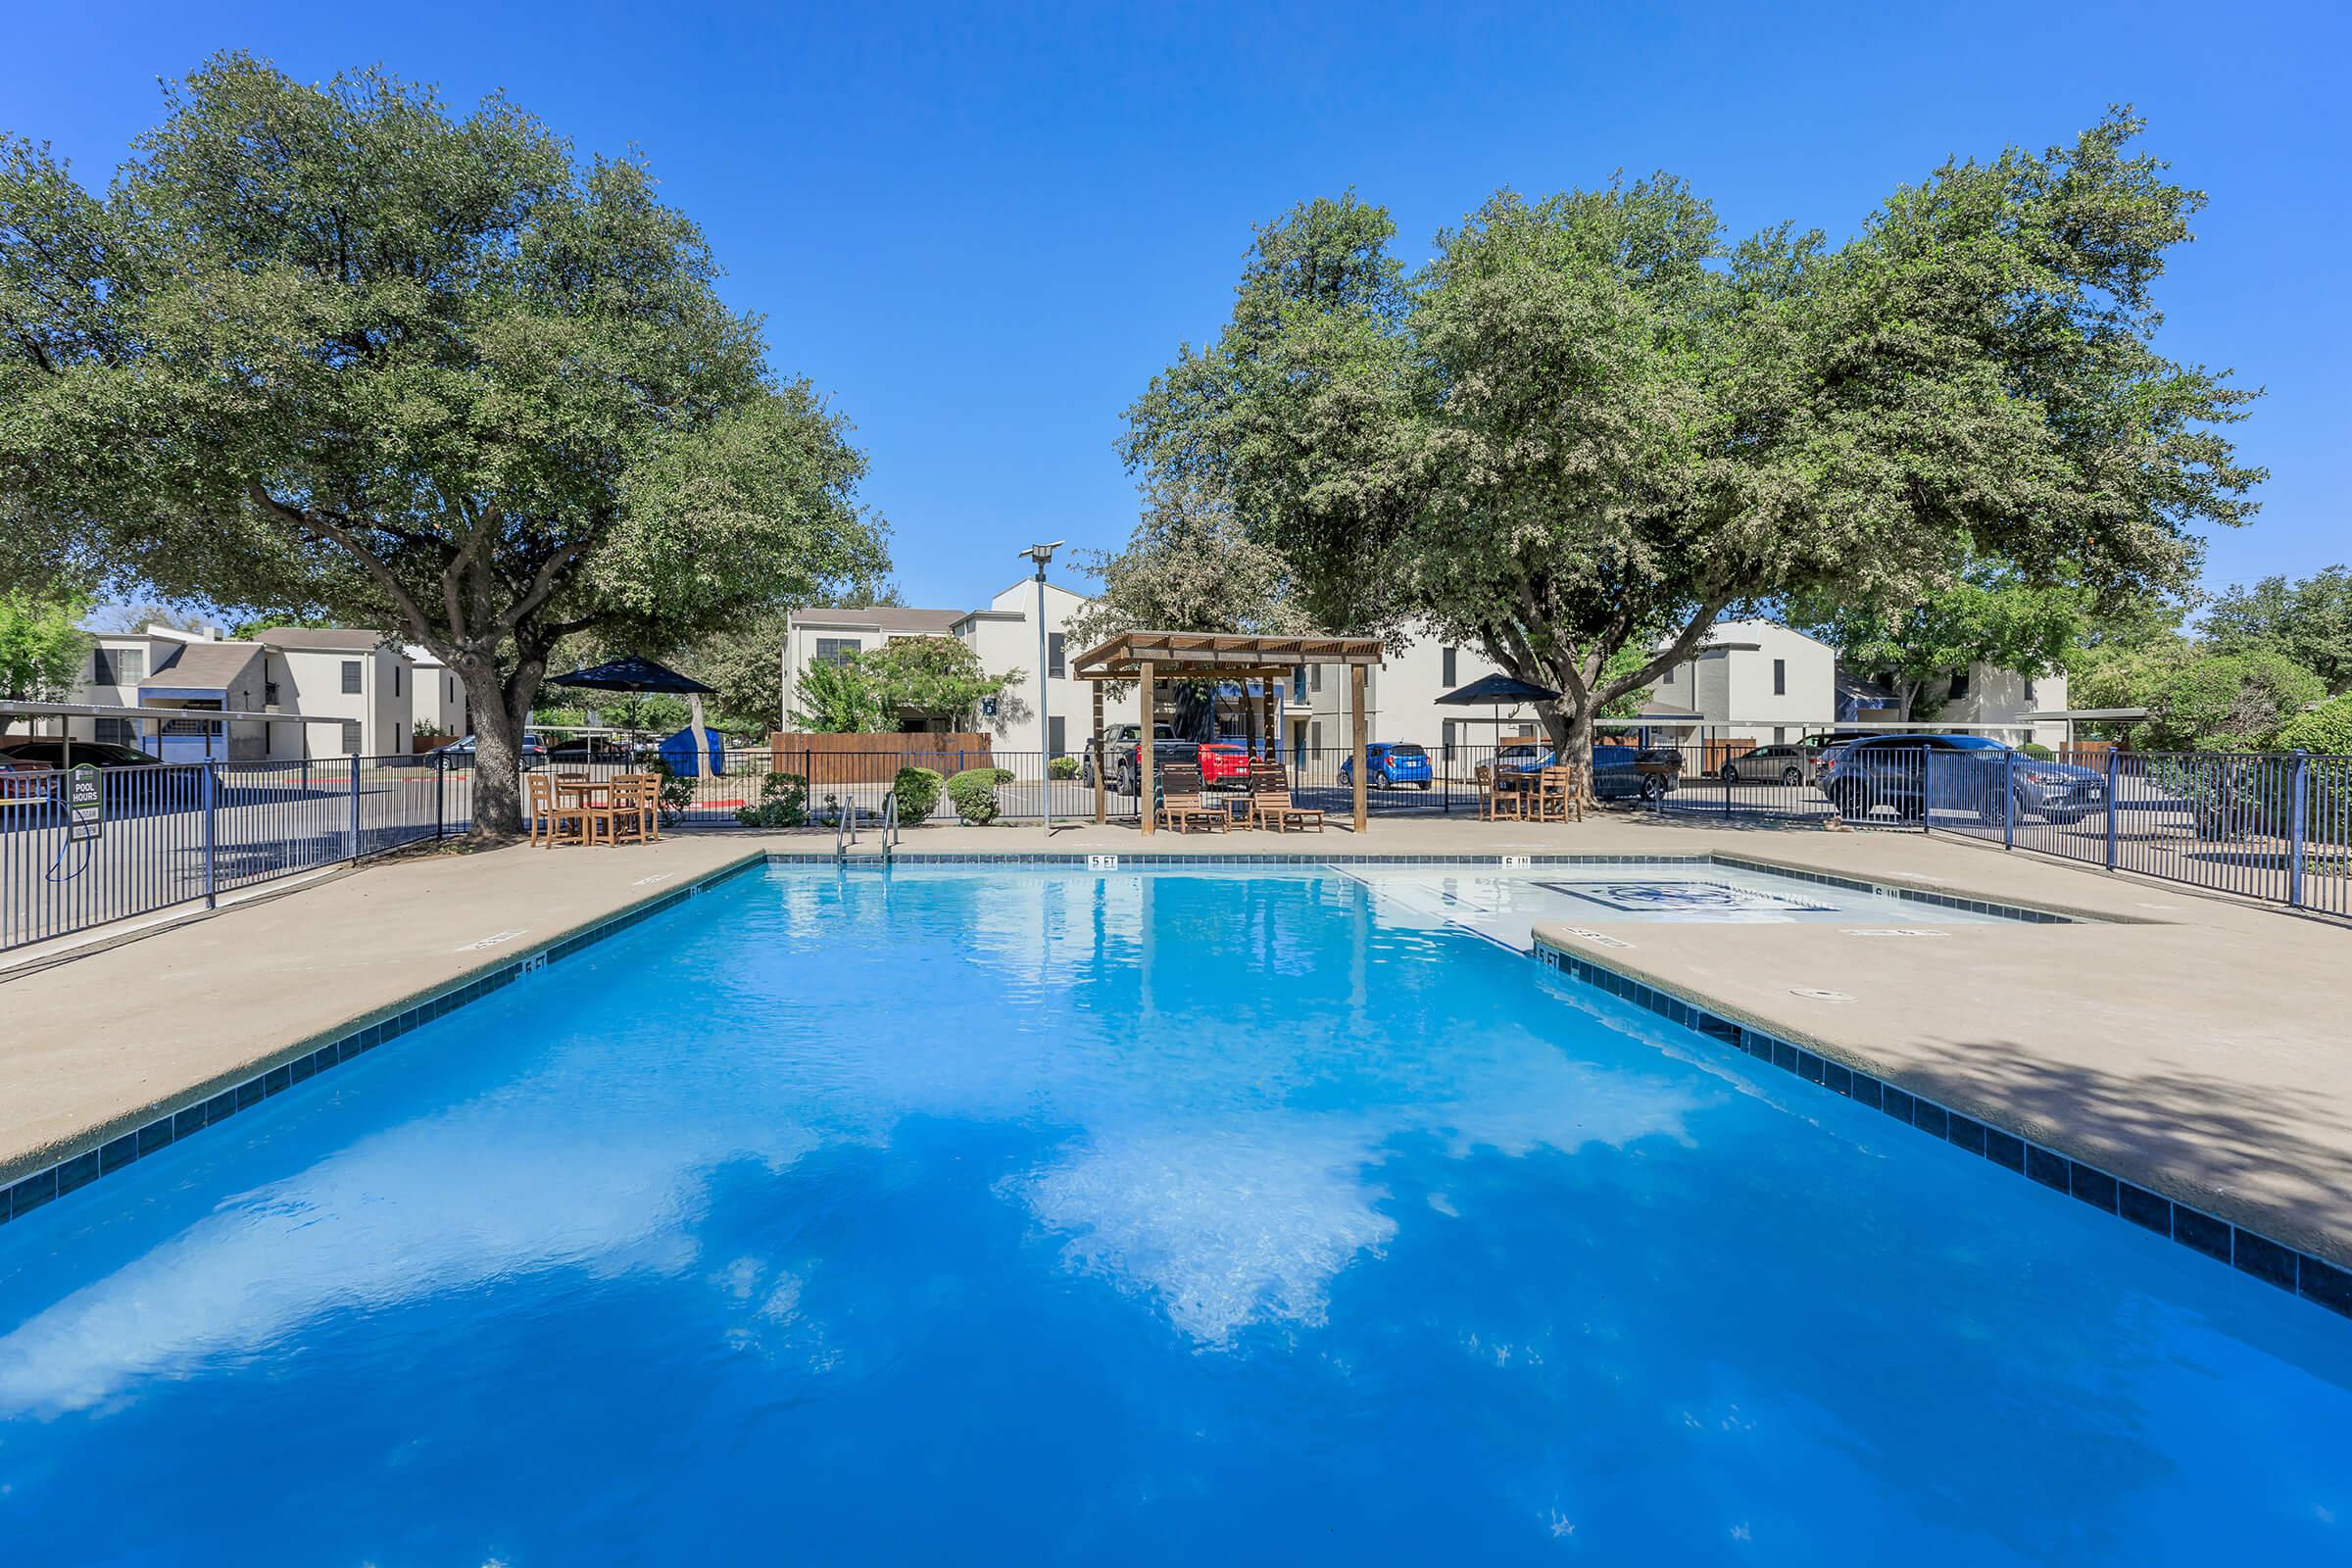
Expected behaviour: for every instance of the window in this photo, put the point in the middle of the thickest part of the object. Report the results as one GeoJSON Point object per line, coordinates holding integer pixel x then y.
{"type": "Point", "coordinates": [1053, 663]}
{"type": "Point", "coordinates": [1315, 737]}
{"type": "Point", "coordinates": [1314, 677]}
{"type": "Point", "coordinates": [835, 649]}
{"type": "Point", "coordinates": [2031, 700]}
{"type": "Point", "coordinates": [1959, 686]}
{"type": "Point", "coordinates": [1446, 733]}
{"type": "Point", "coordinates": [1298, 684]}
{"type": "Point", "coordinates": [268, 693]}
{"type": "Point", "coordinates": [396, 686]}
{"type": "Point", "coordinates": [351, 674]}
{"type": "Point", "coordinates": [1667, 678]}
{"type": "Point", "coordinates": [118, 666]}
{"type": "Point", "coordinates": [1055, 733]}
{"type": "Point", "coordinates": [1780, 678]}
{"type": "Point", "coordinates": [453, 689]}
{"type": "Point", "coordinates": [1446, 663]}
{"type": "Point", "coordinates": [351, 734]}
{"type": "Point", "coordinates": [1779, 733]}
{"type": "Point", "coordinates": [400, 743]}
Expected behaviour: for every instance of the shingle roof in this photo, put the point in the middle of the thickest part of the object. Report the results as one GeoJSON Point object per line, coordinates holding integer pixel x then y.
{"type": "Point", "coordinates": [333, 639]}
{"type": "Point", "coordinates": [880, 618]}
{"type": "Point", "coordinates": [202, 667]}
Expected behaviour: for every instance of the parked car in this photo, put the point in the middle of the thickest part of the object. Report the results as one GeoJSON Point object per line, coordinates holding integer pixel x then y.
{"type": "Point", "coordinates": [37, 763]}
{"type": "Point", "coordinates": [1119, 738]}
{"type": "Point", "coordinates": [1224, 763]}
{"type": "Point", "coordinates": [1517, 757]}
{"type": "Point", "coordinates": [1911, 775]}
{"type": "Point", "coordinates": [534, 749]}
{"type": "Point", "coordinates": [1627, 773]}
{"type": "Point", "coordinates": [1773, 764]}
{"type": "Point", "coordinates": [590, 749]}
{"type": "Point", "coordinates": [1389, 765]}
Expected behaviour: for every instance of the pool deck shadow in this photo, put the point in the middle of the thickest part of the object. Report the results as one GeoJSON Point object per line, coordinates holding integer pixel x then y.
{"type": "Point", "coordinates": [2194, 1044]}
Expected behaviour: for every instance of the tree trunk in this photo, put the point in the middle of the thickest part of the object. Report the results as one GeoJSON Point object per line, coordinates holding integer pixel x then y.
{"type": "Point", "coordinates": [502, 716]}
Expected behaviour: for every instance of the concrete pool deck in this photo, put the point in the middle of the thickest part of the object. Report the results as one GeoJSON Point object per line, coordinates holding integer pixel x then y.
{"type": "Point", "coordinates": [2196, 1045]}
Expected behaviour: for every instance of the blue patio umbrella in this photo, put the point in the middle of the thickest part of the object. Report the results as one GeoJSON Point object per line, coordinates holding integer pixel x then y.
{"type": "Point", "coordinates": [634, 675]}
{"type": "Point", "coordinates": [1497, 690]}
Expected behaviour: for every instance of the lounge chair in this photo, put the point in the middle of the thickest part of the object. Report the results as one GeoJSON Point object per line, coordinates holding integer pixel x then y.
{"type": "Point", "coordinates": [1270, 802]}
{"type": "Point", "coordinates": [1180, 804]}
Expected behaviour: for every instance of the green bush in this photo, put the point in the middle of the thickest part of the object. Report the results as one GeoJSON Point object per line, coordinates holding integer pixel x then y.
{"type": "Point", "coordinates": [973, 793]}
{"type": "Point", "coordinates": [2038, 752]}
{"type": "Point", "coordinates": [675, 795]}
{"type": "Point", "coordinates": [783, 803]}
{"type": "Point", "coordinates": [1062, 767]}
{"type": "Point", "coordinates": [2325, 729]}
{"type": "Point", "coordinates": [2228, 702]}
{"type": "Point", "coordinates": [917, 790]}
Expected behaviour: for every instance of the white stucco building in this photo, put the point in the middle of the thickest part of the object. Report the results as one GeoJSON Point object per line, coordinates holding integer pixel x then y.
{"type": "Point", "coordinates": [350, 677]}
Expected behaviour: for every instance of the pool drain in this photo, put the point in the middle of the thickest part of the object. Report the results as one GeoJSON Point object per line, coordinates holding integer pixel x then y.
{"type": "Point", "coordinates": [1818, 995]}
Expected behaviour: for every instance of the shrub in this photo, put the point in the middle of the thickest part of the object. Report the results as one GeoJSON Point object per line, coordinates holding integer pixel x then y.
{"type": "Point", "coordinates": [973, 793]}
{"type": "Point", "coordinates": [917, 790]}
{"type": "Point", "coordinates": [1062, 767]}
{"type": "Point", "coordinates": [2325, 729]}
{"type": "Point", "coordinates": [2038, 752]}
{"type": "Point", "coordinates": [675, 795]}
{"type": "Point", "coordinates": [783, 803]}
{"type": "Point", "coordinates": [2228, 701]}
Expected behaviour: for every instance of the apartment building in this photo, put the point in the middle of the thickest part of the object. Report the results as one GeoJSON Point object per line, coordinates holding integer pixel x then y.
{"type": "Point", "coordinates": [437, 705]}
{"type": "Point", "coordinates": [350, 677]}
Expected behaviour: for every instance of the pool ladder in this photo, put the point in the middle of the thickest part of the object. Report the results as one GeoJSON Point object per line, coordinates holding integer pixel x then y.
{"type": "Point", "coordinates": [845, 828]}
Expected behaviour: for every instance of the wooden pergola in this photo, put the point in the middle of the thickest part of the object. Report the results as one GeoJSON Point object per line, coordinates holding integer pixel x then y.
{"type": "Point", "coordinates": [1148, 657]}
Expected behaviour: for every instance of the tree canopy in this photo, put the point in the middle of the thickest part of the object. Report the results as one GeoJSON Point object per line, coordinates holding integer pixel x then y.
{"type": "Point", "coordinates": [1187, 567]}
{"type": "Point", "coordinates": [2309, 621]}
{"type": "Point", "coordinates": [1991, 614]}
{"type": "Point", "coordinates": [42, 646]}
{"type": "Point", "coordinates": [333, 350]}
{"type": "Point", "coordinates": [871, 690]}
{"type": "Point", "coordinates": [1591, 422]}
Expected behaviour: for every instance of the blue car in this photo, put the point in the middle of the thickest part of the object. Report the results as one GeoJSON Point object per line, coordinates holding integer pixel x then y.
{"type": "Point", "coordinates": [1389, 765]}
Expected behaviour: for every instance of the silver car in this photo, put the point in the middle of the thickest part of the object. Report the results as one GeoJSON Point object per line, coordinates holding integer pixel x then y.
{"type": "Point", "coordinates": [1772, 764]}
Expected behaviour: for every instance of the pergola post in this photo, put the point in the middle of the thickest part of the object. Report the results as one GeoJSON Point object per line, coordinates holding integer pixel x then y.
{"type": "Point", "coordinates": [1102, 784]}
{"type": "Point", "coordinates": [1145, 761]}
{"type": "Point", "coordinates": [1356, 725]}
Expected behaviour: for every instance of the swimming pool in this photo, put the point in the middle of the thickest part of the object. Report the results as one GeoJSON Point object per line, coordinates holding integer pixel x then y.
{"type": "Point", "coordinates": [1048, 1215]}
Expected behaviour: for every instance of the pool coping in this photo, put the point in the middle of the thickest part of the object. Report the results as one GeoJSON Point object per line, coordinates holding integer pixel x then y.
{"type": "Point", "coordinates": [115, 1145]}
{"type": "Point", "coordinates": [2322, 1281]}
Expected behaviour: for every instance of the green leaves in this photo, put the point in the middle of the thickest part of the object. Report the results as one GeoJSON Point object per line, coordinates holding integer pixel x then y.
{"type": "Point", "coordinates": [1592, 424]}
{"type": "Point", "coordinates": [335, 350]}
{"type": "Point", "coordinates": [872, 690]}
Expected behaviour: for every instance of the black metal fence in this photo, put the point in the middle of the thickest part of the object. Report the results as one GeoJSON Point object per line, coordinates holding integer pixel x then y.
{"type": "Point", "coordinates": [175, 832]}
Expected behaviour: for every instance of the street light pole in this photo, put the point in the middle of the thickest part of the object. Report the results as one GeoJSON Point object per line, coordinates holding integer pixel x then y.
{"type": "Point", "coordinates": [1041, 554]}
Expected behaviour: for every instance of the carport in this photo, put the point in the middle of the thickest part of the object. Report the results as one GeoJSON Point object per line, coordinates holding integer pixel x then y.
{"type": "Point", "coordinates": [1148, 657]}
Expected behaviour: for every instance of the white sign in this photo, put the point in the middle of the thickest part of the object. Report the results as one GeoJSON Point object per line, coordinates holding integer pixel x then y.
{"type": "Point", "coordinates": [1103, 863]}
{"type": "Point", "coordinates": [1510, 861]}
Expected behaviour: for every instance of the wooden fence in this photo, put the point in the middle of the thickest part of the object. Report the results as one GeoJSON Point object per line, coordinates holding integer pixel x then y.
{"type": "Point", "coordinates": [829, 760]}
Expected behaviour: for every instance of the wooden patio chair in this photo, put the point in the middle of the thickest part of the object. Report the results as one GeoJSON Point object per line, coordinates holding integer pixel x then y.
{"type": "Point", "coordinates": [539, 799]}
{"type": "Point", "coordinates": [649, 787]}
{"type": "Point", "coordinates": [1554, 788]}
{"type": "Point", "coordinates": [1180, 804]}
{"type": "Point", "coordinates": [1270, 802]}
{"type": "Point", "coordinates": [622, 814]}
{"type": "Point", "coordinates": [1504, 796]}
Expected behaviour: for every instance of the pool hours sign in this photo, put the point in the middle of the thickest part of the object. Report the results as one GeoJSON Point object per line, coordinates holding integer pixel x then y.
{"type": "Point", "coordinates": [85, 804]}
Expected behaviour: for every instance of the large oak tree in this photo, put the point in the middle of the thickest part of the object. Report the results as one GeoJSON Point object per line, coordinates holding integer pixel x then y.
{"type": "Point", "coordinates": [1590, 424]}
{"type": "Point", "coordinates": [333, 350]}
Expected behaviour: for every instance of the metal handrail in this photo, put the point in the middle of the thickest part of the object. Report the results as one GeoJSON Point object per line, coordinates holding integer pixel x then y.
{"type": "Point", "coordinates": [890, 824]}
{"type": "Point", "coordinates": [843, 835]}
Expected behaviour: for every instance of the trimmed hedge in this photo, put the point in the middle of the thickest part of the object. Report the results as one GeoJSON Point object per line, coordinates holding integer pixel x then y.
{"type": "Point", "coordinates": [973, 793]}
{"type": "Point", "coordinates": [1062, 767]}
{"type": "Point", "coordinates": [2038, 752]}
{"type": "Point", "coordinates": [917, 790]}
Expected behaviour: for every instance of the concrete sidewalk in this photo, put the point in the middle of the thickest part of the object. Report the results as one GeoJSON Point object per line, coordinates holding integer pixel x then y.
{"type": "Point", "coordinates": [2196, 1045]}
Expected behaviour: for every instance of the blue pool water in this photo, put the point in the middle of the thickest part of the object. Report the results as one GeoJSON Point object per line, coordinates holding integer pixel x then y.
{"type": "Point", "coordinates": [1030, 1218]}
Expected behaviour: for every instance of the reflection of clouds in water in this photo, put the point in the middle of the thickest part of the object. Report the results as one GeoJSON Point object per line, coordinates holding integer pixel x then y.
{"type": "Point", "coordinates": [439, 1205]}
{"type": "Point", "coordinates": [1232, 1224]}
{"type": "Point", "coordinates": [1221, 1166]}
{"type": "Point", "coordinates": [1221, 1226]}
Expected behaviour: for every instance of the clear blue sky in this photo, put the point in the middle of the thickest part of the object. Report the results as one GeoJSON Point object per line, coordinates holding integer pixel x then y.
{"type": "Point", "coordinates": [982, 234]}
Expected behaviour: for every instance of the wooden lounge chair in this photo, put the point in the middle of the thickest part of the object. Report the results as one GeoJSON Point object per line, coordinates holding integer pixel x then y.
{"type": "Point", "coordinates": [1270, 803]}
{"type": "Point", "coordinates": [1181, 806]}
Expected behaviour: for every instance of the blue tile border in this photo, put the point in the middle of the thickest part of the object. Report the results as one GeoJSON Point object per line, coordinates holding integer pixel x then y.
{"type": "Point", "coordinates": [327, 1052]}
{"type": "Point", "coordinates": [2296, 1272]}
